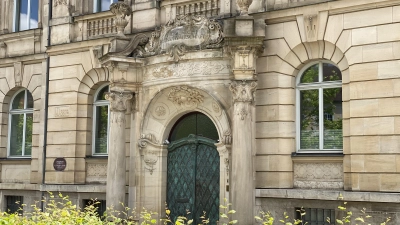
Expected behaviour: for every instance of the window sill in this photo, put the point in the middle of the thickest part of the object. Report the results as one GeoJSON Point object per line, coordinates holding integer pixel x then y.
{"type": "Point", "coordinates": [317, 157]}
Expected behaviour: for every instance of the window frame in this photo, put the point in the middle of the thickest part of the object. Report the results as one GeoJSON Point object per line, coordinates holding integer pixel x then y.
{"type": "Point", "coordinates": [97, 5]}
{"type": "Point", "coordinates": [17, 18]}
{"type": "Point", "coordinates": [96, 104]}
{"type": "Point", "coordinates": [9, 198]}
{"type": "Point", "coordinates": [320, 86]}
{"type": "Point", "coordinates": [12, 112]}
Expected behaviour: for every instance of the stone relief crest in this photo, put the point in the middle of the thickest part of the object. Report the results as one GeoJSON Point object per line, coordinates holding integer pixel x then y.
{"type": "Point", "coordinates": [150, 157]}
{"type": "Point", "coordinates": [188, 69]}
{"type": "Point", "coordinates": [184, 33]}
{"type": "Point", "coordinates": [185, 96]}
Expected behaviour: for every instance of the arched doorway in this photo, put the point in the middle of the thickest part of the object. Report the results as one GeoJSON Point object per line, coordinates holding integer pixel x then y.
{"type": "Point", "coordinates": [193, 177]}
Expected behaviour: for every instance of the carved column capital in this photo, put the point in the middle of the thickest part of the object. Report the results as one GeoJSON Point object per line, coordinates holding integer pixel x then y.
{"type": "Point", "coordinates": [121, 9]}
{"type": "Point", "coordinates": [243, 91]}
{"type": "Point", "coordinates": [119, 100]}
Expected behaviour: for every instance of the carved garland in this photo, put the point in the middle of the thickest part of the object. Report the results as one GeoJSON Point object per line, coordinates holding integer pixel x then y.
{"type": "Point", "coordinates": [185, 96]}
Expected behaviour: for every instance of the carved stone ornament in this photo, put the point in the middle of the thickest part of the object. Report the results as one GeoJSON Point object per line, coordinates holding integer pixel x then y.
{"type": "Point", "coordinates": [184, 33]}
{"type": "Point", "coordinates": [185, 96]}
{"type": "Point", "coordinates": [120, 10]}
{"type": "Point", "coordinates": [119, 101]}
{"type": "Point", "coordinates": [244, 6]}
{"type": "Point", "coordinates": [243, 91]}
{"type": "Point", "coordinates": [187, 69]}
{"type": "Point", "coordinates": [318, 175]}
{"type": "Point", "coordinates": [227, 138]}
{"type": "Point", "coordinates": [149, 157]}
{"type": "Point", "coordinates": [60, 2]}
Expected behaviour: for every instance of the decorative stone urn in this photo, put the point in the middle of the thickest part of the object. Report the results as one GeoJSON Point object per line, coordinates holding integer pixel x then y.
{"type": "Point", "coordinates": [120, 9]}
{"type": "Point", "coordinates": [244, 6]}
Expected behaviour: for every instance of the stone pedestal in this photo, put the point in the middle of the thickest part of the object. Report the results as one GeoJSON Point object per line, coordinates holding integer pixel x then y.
{"type": "Point", "coordinates": [119, 103]}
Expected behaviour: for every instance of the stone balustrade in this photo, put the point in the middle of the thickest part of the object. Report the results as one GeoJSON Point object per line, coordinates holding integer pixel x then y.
{"type": "Point", "coordinates": [101, 26]}
{"type": "Point", "coordinates": [206, 8]}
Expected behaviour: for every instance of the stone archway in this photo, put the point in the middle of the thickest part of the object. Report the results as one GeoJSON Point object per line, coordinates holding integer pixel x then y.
{"type": "Point", "coordinates": [164, 110]}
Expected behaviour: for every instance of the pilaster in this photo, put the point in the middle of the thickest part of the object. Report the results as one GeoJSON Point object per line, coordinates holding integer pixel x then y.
{"type": "Point", "coordinates": [116, 169]}
{"type": "Point", "coordinates": [243, 47]}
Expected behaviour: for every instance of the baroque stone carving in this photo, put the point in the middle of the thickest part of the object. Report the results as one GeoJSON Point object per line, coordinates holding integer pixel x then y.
{"type": "Point", "coordinates": [244, 6]}
{"type": "Point", "coordinates": [60, 2]}
{"type": "Point", "coordinates": [184, 33]}
{"type": "Point", "coordinates": [120, 10]}
{"type": "Point", "coordinates": [98, 51]}
{"type": "Point", "coordinates": [188, 69]}
{"type": "Point", "coordinates": [185, 96]}
{"type": "Point", "coordinates": [318, 175]}
{"type": "Point", "coordinates": [160, 110]}
{"type": "Point", "coordinates": [243, 91]}
{"type": "Point", "coordinates": [149, 157]}
{"type": "Point", "coordinates": [119, 100]}
{"type": "Point", "coordinates": [311, 27]}
{"type": "Point", "coordinates": [227, 137]}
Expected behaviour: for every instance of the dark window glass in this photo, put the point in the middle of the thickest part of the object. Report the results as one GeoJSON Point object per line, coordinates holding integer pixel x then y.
{"type": "Point", "coordinates": [194, 123]}
{"type": "Point", "coordinates": [315, 216]}
{"type": "Point", "coordinates": [101, 129]}
{"type": "Point", "coordinates": [28, 14]}
{"type": "Point", "coordinates": [100, 205]}
{"type": "Point", "coordinates": [14, 204]}
{"type": "Point", "coordinates": [331, 72]}
{"type": "Point", "coordinates": [19, 100]}
{"type": "Point", "coordinates": [17, 134]}
{"type": "Point", "coordinates": [102, 93]}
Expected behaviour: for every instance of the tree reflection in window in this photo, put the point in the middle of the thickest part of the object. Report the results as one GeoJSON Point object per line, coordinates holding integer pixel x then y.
{"type": "Point", "coordinates": [100, 119]}
{"type": "Point", "coordinates": [320, 94]}
{"type": "Point", "coordinates": [21, 121]}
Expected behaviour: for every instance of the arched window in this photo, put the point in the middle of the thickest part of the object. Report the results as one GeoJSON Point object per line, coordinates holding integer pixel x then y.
{"type": "Point", "coordinates": [100, 121]}
{"type": "Point", "coordinates": [20, 125]}
{"type": "Point", "coordinates": [319, 108]}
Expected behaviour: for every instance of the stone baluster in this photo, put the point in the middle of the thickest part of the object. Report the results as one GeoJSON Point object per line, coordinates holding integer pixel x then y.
{"type": "Point", "coordinates": [119, 105]}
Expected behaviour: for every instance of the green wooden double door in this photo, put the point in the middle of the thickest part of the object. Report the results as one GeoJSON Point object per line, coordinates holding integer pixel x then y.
{"type": "Point", "coordinates": [193, 178]}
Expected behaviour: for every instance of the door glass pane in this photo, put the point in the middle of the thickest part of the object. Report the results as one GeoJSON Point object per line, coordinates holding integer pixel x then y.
{"type": "Point", "coordinates": [23, 15]}
{"type": "Point", "coordinates": [18, 102]}
{"type": "Point", "coordinates": [17, 128]}
{"type": "Point", "coordinates": [309, 119]}
{"type": "Point", "coordinates": [331, 72]}
{"type": "Point", "coordinates": [206, 127]}
{"type": "Point", "coordinates": [310, 75]}
{"type": "Point", "coordinates": [34, 10]}
{"type": "Point", "coordinates": [333, 137]}
{"type": "Point", "coordinates": [101, 129]}
{"type": "Point", "coordinates": [194, 123]}
{"type": "Point", "coordinates": [28, 134]}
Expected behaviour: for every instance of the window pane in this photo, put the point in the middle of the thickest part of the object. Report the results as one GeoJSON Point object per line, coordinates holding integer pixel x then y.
{"type": "Point", "coordinates": [333, 137]}
{"type": "Point", "coordinates": [14, 204]}
{"type": "Point", "coordinates": [310, 75]}
{"type": "Point", "coordinates": [102, 93]}
{"type": "Point", "coordinates": [23, 15]}
{"type": "Point", "coordinates": [28, 134]}
{"type": "Point", "coordinates": [17, 128]}
{"type": "Point", "coordinates": [309, 119]}
{"type": "Point", "coordinates": [34, 10]}
{"type": "Point", "coordinates": [18, 102]}
{"type": "Point", "coordinates": [29, 104]}
{"type": "Point", "coordinates": [101, 129]}
{"type": "Point", "coordinates": [331, 72]}
{"type": "Point", "coordinates": [105, 5]}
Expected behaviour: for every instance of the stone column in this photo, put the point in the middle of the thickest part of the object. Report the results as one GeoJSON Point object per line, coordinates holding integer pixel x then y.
{"type": "Point", "coordinates": [242, 182]}
{"type": "Point", "coordinates": [119, 105]}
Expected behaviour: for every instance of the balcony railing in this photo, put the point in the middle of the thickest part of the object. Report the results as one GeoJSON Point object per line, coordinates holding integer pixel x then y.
{"type": "Point", "coordinates": [205, 8]}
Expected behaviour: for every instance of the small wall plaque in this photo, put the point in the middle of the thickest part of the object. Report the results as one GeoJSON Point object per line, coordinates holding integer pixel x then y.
{"type": "Point", "coordinates": [59, 164]}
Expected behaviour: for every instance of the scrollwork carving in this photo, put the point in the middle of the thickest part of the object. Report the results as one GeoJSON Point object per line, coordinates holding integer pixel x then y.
{"type": "Point", "coordinates": [243, 91]}
{"type": "Point", "coordinates": [149, 157]}
{"type": "Point", "coordinates": [119, 101]}
{"type": "Point", "coordinates": [185, 96]}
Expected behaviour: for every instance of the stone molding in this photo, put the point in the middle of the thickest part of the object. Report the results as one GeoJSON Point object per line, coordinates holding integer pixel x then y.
{"type": "Point", "coordinates": [243, 91]}
{"type": "Point", "coordinates": [119, 101]}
